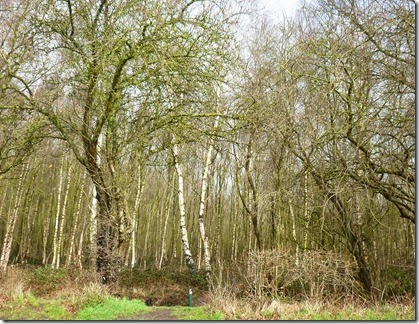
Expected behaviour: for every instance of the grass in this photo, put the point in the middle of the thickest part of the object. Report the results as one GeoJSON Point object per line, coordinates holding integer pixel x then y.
{"type": "Point", "coordinates": [29, 307]}
{"type": "Point", "coordinates": [201, 313]}
{"type": "Point", "coordinates": [32, 308]}
{"type": "Point", "coordinates": [112, 308]}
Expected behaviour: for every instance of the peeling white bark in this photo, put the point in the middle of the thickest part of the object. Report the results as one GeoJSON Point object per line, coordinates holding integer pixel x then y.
{"type": "Point", "coordinates": [207, 257]}
{"type": "Point", "coordinates": [57, 216]}
{"type": "Point", "coordinates": [184, 233]}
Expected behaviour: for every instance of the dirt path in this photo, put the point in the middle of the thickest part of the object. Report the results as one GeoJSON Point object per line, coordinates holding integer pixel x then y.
{"type": "Point", "coordinates": [156, 314]}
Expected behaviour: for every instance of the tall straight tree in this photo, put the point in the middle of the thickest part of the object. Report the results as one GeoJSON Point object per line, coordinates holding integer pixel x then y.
{"type": "Point", "coordinates": [182, 210]}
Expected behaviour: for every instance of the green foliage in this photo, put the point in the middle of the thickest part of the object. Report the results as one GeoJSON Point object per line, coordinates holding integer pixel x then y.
{"type": "Point", "coordinates": [48, 276]}
{"type": "Point", "coordinates": [399, 281]}
{"type": "Point", "coordinates": [112, 308]}
{"type": "Point", "coordinates": [44, 280]}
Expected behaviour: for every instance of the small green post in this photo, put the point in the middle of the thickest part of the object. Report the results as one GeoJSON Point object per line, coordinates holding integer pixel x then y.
{"type": "Point", "coordinates": [190, 297]}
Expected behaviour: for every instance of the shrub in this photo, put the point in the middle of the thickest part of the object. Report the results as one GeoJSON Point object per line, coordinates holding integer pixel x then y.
{"type": "Point", "coordinates": [398, 281]}
{"type": "Point", "coordinates": [13, 283]}
{"type": "Point", "coordinates": [275, 273]}
{"type": "Point", "coordinates": [165, 287]}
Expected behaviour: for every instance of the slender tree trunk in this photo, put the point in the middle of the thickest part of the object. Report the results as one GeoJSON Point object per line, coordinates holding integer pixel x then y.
{"type": "Point", "coordinates": [147, 236]}
{"type": "Point", "coordinates": [93, 228]}
{"type": "Point", "coordinates": [11, 222]}
{"type": "Point", "coordinates": [62, 221]}
{"type": "Point", "coordinates": [80, 245]}
{"type": "Point", "coordinates": [273, 221]}
{"type": "Point", "coordinates": [306, 213]}
{"type": "Point", "coordinates": [294, 235]}
{"type": "Point", "coordinates": [135, 216]}
{"type": "Point", "coordinates": [75, 223]}
{"type": "Point", "coordinates": [188, 255]}
{"type": "Point", "coordinates": [57, 216]}
{"type": "Point", "coordinates": [45, 232]}
{"type": "Point", "coordinates": [207, 257]}
{"type": "Point", "coordinates": [234, 243]}
{"type": "Point", "coordinates": [26, 235]}
{"type": "Point", "coordinates": [255, 209]}
{"type": "Point", "coordinates": [168, 212]}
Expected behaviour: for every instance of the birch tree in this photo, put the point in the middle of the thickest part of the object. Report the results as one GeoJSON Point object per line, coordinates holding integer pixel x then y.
{"type": "Point", "coordinates": [204, 238]}
{"type": "Point", "coordinates": [184, 232]}
{"type": "Point", "coordinates": [11, 221]}
{"type": "Point", "coordinates": [97, 68]}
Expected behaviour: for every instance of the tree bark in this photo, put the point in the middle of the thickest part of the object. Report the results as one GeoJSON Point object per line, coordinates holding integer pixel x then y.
{"type": "Point", "coordinates": [57, 216]}
{"type": "Point", "coordinates": [62, 221]}
{"type": "Point", "coordinates": [71, 250]}
{"type": "Point", "coordinates": [184, 233]}
{"type": "Point", "coordinates": [135, 217]}
{"type": "Point", "coordinates": [11, 222]}
{"type": "Point", "coordinates": [207, 257]}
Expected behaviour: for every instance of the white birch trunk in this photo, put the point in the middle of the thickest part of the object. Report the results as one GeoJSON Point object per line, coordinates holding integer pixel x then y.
{"type": "Point", "coordinates": [163, 244]}
{"type": "Point", "coordinates": [62, 220]}
{"type": "Point", "coordinates": [207, 257]}
{"type": "Point", "coordinates": [11, 222]}
{"type": "Point", "coordinates": [94, 213]}
{"type": "Point", "coordinates": [134, 218]}
{"type": "Point", "coordinates": [133, 234]}
{"type": "Point", "coordinates": [75, 223]}
{"type": "Point", "coordinates": [93, 227]}
{"type": "Point", "coordinates": [45, 233]}
{"type": "Point", "coordinates": [57, 216]}
{"type": "Point", "coordinates": [306, 213]}
{"type": "Point", "coordinates": [184, 233]}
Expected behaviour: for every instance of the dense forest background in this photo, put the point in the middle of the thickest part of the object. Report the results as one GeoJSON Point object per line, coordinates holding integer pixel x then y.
{"type": "Point", "coordinates": [202, 135]}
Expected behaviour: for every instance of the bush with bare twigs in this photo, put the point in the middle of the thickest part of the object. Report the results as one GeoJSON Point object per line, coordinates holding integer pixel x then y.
{"type": "Point", "coordinates": [277, 273]}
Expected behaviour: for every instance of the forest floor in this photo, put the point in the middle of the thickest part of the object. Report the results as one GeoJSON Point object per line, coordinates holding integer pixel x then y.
{"type": "Point", "coordinates": [28, 307]}
{"type": "Point", "coordinates": [154, 315]}
{"type": "Point", "coordinates": [48, 294]}
{"type": "Point", "coordinates": [32, 308]}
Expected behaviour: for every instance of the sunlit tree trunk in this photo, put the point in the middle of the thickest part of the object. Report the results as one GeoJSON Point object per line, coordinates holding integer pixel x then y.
{"type": "Point", "coordinates": [184, 233]}
{"type": "Point", "coordinates": [57, 216]}
{"type": "Point", "coordinates": [135, 217]}
{"type": "Point", "coordinates": [207, 257]}
{"type": "Point", "coordinates": [62, 221]}
{"type": "Point", "coordinates": [94, 212]}
{"type": "Point", "coordinates": [80, 245]}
